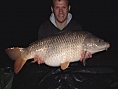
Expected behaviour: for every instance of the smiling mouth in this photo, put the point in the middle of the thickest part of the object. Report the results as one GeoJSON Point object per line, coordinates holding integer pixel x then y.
{"type": "Point", "coordinates": [61, 16]}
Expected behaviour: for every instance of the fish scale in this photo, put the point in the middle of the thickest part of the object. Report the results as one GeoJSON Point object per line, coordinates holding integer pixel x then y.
{"type": "Point", "coordinates": [59, 49]}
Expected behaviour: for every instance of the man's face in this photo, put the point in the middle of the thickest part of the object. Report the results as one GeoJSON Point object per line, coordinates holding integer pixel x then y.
{"type": "Point", "coordinates": [60, 10]}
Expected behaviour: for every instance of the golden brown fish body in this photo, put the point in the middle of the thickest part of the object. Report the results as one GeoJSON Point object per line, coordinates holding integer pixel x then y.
{"type": "Point", "coordinates": [59, 49]}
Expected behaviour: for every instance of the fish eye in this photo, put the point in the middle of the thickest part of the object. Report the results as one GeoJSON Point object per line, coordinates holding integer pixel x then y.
{"type": "Point", "coordinates": [100, 40]}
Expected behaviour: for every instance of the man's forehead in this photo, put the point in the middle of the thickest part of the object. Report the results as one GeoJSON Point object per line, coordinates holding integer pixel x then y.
{"type": "Point", "coordinates": [60, 2]}
{"type": "Point", "coordinates": [65, 1]}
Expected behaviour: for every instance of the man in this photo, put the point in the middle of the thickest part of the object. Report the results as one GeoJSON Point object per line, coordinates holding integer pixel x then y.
{"type": "Point", "coordinates": [60, 20]}
{"type": "Point", "coordinates": [36, 76]}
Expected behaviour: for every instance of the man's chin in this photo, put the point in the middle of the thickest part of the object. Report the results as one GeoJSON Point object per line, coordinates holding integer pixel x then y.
{"type": "Point", "coordinates": [61, 21]}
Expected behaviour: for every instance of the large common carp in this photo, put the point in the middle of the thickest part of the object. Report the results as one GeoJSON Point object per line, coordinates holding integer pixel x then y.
{"type": "Point", "coordinates": [59, 49]}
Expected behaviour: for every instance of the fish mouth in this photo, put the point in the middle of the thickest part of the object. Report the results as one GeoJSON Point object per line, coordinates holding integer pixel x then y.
{"type": "Point", "coordinates": [104, 47]}
{"type": "Point", "coordinates": [107, 46]}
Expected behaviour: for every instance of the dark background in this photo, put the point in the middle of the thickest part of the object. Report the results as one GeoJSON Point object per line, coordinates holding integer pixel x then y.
{"type": "Point", "coordinates": [21, 19]}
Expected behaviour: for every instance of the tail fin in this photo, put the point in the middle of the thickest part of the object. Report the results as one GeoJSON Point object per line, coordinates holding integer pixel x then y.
{"type": "Point", "coordinates": [16, 54]}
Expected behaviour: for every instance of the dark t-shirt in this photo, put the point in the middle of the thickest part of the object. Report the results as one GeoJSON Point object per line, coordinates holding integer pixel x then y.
{"type": "Point", "coordinates": [48, 28]}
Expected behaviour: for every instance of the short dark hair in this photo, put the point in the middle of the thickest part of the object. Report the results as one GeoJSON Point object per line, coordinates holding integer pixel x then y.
{"type": "Point", "coordinates": [59, 1]}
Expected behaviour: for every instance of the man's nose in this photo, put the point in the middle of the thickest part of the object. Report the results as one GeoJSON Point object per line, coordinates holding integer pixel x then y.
{"type": "Point", "coordinates": [60, 10]}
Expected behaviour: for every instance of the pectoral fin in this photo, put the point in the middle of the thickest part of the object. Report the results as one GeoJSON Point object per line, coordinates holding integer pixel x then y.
{"type": "Point", "coordinates": [84, 62]}
{"type": "Point", "coordinates": [84, 59]}
{"type": "Point", "coordinates": [86, 56]}
{"type": "Point", "coordinates": [64, 65]}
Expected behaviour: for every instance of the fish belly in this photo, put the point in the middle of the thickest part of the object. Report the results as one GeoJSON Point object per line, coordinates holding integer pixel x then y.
{"type": "Point", "coordinates": [65, 55]}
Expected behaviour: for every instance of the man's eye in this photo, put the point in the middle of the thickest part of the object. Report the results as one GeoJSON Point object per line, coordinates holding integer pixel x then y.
{"type": "Point", "coordinates": [64, 7]}
{"type": "Point", "coordinates": [56, 7]}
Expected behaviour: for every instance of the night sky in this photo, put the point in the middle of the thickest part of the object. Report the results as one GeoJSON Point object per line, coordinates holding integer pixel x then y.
{"type": "Point", "coordinates": [21, 19]}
